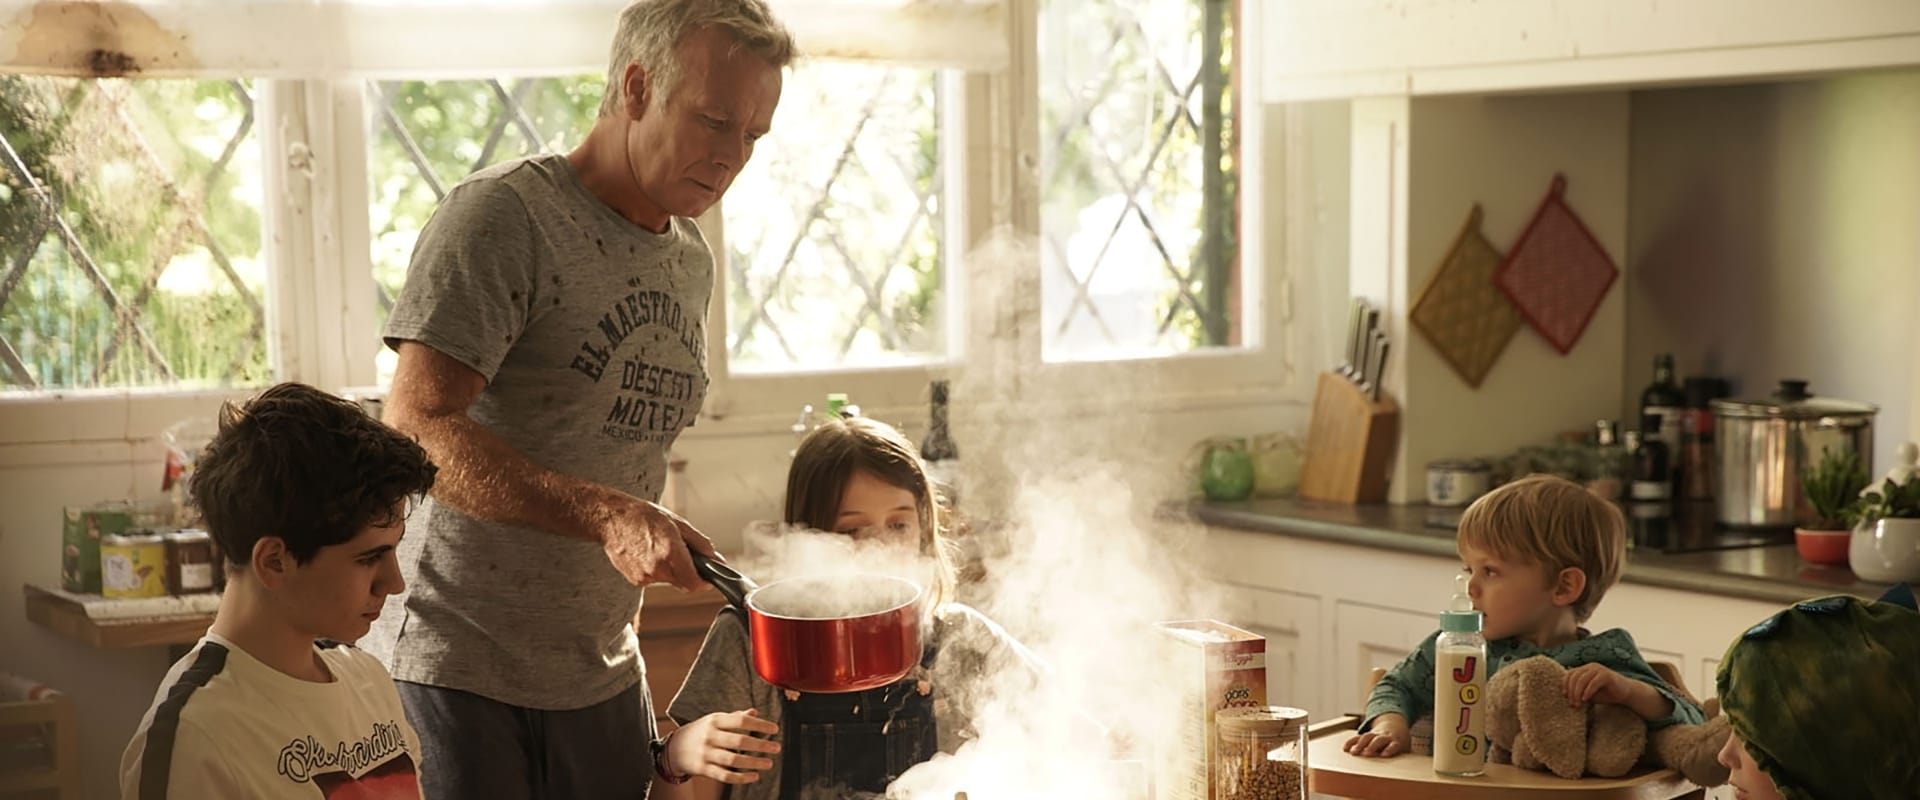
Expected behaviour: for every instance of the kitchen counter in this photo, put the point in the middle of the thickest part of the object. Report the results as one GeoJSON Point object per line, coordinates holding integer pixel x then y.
{"type": "Point", "coordinates": [1771, 572]}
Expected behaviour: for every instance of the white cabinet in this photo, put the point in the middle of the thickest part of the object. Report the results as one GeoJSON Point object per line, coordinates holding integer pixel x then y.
{"type": "Point", "coordinates": [1366, 637]}
{"type": "Point", "coordinates": [1314, 49]}
{"type": "Point", "coordinates": [1705, 685]}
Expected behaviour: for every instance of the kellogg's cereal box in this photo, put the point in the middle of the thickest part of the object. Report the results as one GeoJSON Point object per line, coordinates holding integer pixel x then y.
{"type": "Point", "coordinates": [1219, 666]}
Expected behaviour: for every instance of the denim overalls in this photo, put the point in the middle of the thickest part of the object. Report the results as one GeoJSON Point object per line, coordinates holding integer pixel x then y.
{"type": "Point", "coordinates": [856, 742]}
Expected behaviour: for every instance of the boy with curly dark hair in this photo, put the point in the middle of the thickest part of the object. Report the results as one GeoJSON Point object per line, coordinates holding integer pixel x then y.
{"type": "Point", "coordinates": [306, 498]}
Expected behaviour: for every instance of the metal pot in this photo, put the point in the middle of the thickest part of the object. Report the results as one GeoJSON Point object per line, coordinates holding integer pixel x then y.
{"type": "Point", "coordinates": [840, 633]}
{"type": "Point", "coordinates": [1763, 447]}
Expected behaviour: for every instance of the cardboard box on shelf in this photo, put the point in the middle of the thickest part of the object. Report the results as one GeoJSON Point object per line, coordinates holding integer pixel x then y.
{"type": "Point", "coordinates": [80, 532]}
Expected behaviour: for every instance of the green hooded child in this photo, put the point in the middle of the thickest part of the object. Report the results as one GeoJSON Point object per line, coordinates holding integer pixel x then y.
{"type": "Point", "coordinates": [1824, 699]}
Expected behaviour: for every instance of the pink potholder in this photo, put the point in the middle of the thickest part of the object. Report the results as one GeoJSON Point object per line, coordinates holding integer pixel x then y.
{"type": "Point", "coordinates": [1557, 273]}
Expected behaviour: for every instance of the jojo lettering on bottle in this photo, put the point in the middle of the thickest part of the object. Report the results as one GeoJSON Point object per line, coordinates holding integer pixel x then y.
{"type": "Point", "coordinates": [1459, 685]}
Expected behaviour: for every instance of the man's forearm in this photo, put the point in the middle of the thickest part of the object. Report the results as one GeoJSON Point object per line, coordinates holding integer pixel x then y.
{"type": "Point", "coordinates": [487, 478]}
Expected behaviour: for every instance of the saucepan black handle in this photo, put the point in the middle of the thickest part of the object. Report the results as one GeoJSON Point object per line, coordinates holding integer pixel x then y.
{"type": "Point", "coordinates": [732, 585]}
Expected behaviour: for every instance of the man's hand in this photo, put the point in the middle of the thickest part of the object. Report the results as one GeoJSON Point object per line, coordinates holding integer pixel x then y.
{"type": "Point", "coordinates": [720, 746]}
{"type": "Point", "coordinates": [648, 544]}
{"type": "Point", "coordinates": [1389, 736]}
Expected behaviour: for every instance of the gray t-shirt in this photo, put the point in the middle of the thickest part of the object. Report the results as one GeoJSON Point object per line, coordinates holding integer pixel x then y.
{"type": "Point", "coordinates": [972, 650]}
{"type": "Point", "coordinates": [591, 333]}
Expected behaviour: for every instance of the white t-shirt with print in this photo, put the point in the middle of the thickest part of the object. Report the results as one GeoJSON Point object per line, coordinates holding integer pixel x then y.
{"type": "Point", "coordinates": [225, 725]}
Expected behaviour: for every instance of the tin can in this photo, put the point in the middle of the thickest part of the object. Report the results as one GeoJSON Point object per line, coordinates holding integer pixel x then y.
{"type": "Point", "coordinates": [1457, 482]}
{"type": "Point", "coordinates": [80, 534]}
{"type": "Point", "coordinates": [133, 565]}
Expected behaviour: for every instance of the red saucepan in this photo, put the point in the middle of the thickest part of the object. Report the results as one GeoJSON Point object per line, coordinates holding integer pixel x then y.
{"type": "Point", "coordinates": [839, 633]}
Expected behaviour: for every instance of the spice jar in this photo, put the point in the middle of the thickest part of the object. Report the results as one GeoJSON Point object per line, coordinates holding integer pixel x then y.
{"type": "Point", "coordinates": [190, 560]}
{"type": "Point", "coordinates": [1260, 754]}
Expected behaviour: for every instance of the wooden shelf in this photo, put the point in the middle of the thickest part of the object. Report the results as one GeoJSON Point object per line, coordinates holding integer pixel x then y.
{"type": "Point", "coordinates": [66, 617]}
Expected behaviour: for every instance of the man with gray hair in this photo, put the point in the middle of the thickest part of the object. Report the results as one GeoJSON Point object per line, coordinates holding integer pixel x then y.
{"type": "Point", "coordinates": [552, 346]}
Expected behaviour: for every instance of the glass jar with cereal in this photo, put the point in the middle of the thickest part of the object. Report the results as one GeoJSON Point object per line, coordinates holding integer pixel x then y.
{"type": "Point", "coordinates": [1260, 754]}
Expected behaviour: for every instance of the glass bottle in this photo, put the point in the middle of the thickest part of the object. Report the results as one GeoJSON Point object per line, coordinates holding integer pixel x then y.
{"type": "Point", "coordinates": [1459, 684]}
{"type": "Point", "coordinates": [937, 448]}
{"type": "Point", "coordinates": [1695, 474]}
{"type": "Point", "coordinates": [1610, 467]}
{"type": "Point", "coordinates": [1652, 483]}
{"type": "Point", "coordinates": [1260, 754]}
{"type": "Point", "coordinates": [1663, 397]}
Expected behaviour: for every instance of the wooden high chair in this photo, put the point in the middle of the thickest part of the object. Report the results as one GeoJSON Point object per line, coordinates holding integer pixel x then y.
{"type": "Point", "coordinates": [1410, 776]}
{"type": "Point", "coordinates": [44, 723]}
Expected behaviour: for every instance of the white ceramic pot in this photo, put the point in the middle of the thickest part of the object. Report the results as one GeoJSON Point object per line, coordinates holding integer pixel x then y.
{"type": "Point", "coordinates": [1887, 551]}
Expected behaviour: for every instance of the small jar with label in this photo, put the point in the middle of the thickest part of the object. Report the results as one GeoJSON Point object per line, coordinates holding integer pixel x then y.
{"type": "Point", "coordinates": [1260, 754]}
{"type": "Point", "coordinates": [133, 565]}
{"type": "Point", "coordinates": [190, 562]}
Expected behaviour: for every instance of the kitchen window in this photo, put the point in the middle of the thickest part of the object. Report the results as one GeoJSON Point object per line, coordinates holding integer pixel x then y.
{"type": "Point", "coordinates": [428, 135]}
{"type": "Point", "coordinates": [130, 236]}
{"type": "Point", "coordinates": [1138, 215]}
{"type": "Point", "coordinates": [832, 238]}
{"type": "Point", "coordinates": [1104, 135]}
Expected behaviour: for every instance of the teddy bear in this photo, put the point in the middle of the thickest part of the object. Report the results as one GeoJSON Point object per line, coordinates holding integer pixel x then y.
{"type": "Point", "coordinates": [1533, 726]}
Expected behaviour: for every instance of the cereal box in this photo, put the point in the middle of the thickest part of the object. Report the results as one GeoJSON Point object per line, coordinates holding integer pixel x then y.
{"type": "Point", "coordinates": [1220, 666]}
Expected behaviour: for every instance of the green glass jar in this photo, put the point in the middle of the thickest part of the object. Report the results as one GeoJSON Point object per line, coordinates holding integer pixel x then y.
{"type": "Point", "coordinates": [1226, 471]}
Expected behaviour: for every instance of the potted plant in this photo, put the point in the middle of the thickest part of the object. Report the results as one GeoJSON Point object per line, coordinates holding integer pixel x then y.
{"type": "Point", "coordinates": [1886, 533]}
{"type": "Point", "coordinates": [1832, 487]}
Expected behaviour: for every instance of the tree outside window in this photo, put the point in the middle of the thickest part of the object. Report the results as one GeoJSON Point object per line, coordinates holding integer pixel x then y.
{"type": "Point", "coordinates": [130, 234]}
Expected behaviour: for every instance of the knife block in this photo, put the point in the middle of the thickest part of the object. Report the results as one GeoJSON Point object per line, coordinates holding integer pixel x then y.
{"type": "Point", "coordinates": [1349, 444]}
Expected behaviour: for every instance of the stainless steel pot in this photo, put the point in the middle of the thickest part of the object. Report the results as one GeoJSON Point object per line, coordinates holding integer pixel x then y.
{"type": "Point", "coordinates": [1762, 447]}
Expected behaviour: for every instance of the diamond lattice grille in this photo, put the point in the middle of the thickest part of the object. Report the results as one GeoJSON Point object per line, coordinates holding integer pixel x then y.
{"type": "Point", "coordinates": [1135, 166]}
{"type": "Point", "coordinates": [428, 135]}
{"type": "Point", "coordinates": [834, 230]}
{"type": "Point", "coordinates": [129, 234]}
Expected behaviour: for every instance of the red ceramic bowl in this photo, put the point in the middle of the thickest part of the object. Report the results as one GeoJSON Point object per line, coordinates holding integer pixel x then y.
{"type": "Point", "coordinates": [1823, 547]}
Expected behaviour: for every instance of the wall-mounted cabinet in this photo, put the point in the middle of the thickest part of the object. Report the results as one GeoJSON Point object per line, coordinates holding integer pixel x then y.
{"type": "Point", "coordinates": [1316, 49]}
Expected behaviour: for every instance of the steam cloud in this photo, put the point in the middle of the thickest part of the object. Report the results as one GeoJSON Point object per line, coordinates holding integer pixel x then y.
{"type": "Point", "coordinates": [1078, 569]}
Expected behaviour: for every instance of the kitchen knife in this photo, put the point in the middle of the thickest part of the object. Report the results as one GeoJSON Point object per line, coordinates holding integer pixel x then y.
{"type": "Point", "coordinates": [1377, 363]}
{"type": "Point", "coordinates": [1356, 314]}
{"type": "Point", "coordinates": [1363, 367]}
{"type": "Point", "coordinates": [1363, 344]}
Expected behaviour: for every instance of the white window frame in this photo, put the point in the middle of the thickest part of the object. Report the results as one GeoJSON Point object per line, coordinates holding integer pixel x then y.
{"type": "Point", "coordinates": [314, 133]}
{"type": "Point", "coordinates": [992, 149]}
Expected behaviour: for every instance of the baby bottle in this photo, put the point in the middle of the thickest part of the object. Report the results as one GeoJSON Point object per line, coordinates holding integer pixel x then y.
{"type": "Point", "coordinates": [1459, 683]}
